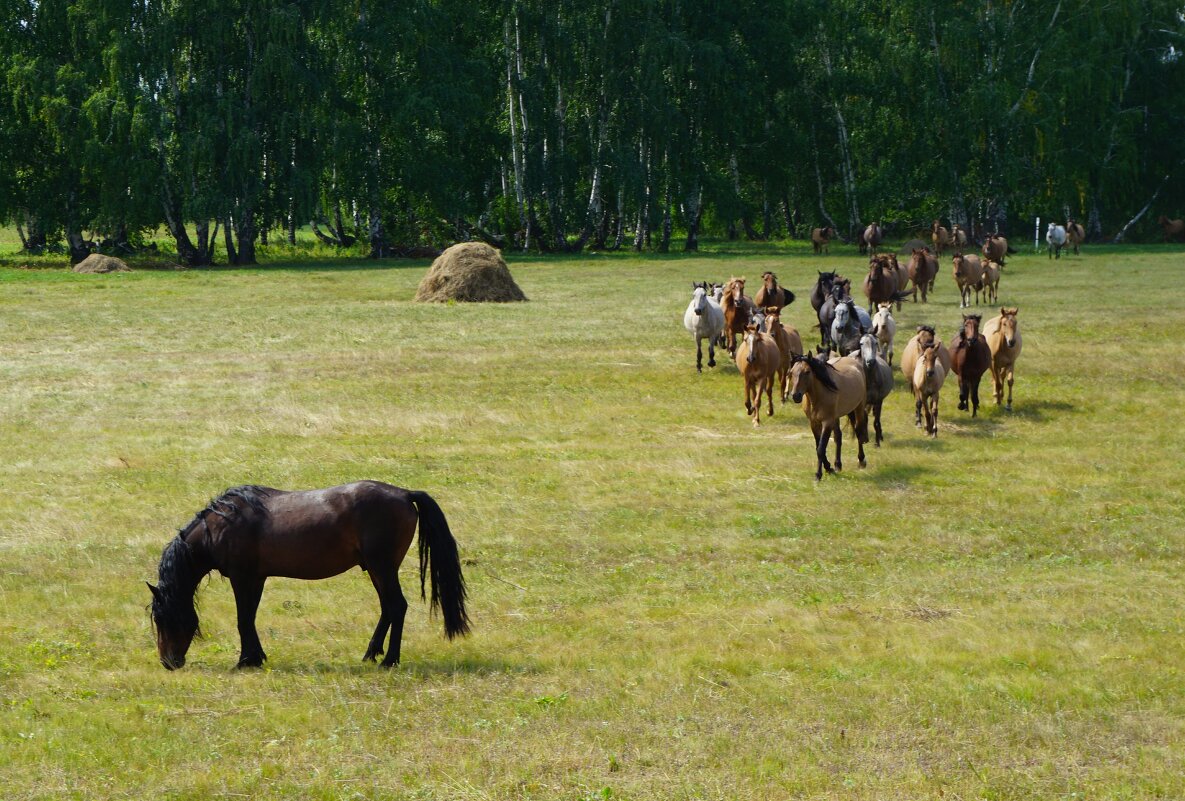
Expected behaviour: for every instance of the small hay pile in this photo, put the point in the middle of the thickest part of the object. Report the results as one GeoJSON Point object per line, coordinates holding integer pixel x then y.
{"type": "Point", "coordinates": [471, 272]}
{"type": "Point", "coordinates": [98, 263]}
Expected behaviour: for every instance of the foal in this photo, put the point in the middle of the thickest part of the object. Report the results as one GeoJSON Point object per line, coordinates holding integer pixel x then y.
{"type": "Point", "coordinates": [928, 376]}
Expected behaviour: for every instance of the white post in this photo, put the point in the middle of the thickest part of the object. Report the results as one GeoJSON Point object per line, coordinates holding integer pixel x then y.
{"type": "Point", "coordinates": [1037, 236]}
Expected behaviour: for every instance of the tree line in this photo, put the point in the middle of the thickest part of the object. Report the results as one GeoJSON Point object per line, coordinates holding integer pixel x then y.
{"type": "Point", "coordinates": [565, 125]}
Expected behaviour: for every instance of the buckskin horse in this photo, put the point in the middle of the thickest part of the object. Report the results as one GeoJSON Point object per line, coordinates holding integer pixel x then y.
{"type": "Point", "coordinates": [251, 533]}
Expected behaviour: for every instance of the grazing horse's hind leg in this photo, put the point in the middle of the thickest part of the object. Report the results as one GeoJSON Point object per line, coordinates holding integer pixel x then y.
{"type": "Point", "coordinates": [248, 591]}
{"type": "Point", "coordinates": [394, 610]}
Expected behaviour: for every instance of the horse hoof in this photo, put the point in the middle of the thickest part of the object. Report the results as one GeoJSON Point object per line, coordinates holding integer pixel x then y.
{"type": "Point", "coordinates": [1008, 408]}
{"type": "Point", "coordinates": [249, 662]}
{"type": "Point", "coordinates": [711, 364]}
{"type": "Point", "coordinates": [389, 663]}
{"type": "Point", "coordinates": [864, 462]}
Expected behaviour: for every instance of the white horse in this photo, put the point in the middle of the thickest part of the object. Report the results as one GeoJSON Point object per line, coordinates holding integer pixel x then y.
{"type": "Point", "coordinates": [1056, 237]}
{"type": "Point", "coordinates": [705, 320]}
{"type": "Point", "coordinates": [846, 328]}
{"type": "Point", "coordinates": [885, 328]}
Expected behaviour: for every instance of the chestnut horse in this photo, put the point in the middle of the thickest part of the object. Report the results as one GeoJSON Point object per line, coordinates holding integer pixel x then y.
{"type": "Point", "coordinates": [251, 533]}
{"type": "Point", "coordinates": [928, 377]}
{"type": "Point", "coordinates": [771, 294]}
{"type": "Point", "coordinates": [970, 359]}
{"type": "Point", "coordinates": [827, 393]}
{"type": "Point", "coordinates": [738, 309]}
{"type": "Point", "coordinates": [923, 268]}
{"type": "Point", "coordinates": [758, 357]}
{"type": "Point", "coordinates": [968, 272]}
{"type": "Point", "coordinates": [821, 239]}
{"type": "Point", "coordinates": [1003, 337]}
{"type": "Point", "coordinates": [789, 345]}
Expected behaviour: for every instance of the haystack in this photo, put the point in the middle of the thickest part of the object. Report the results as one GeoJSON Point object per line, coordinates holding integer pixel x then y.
{"type": "Point", "coordinates": [472, 272]}
{"type": "Point", "coordinates": [98, 263]}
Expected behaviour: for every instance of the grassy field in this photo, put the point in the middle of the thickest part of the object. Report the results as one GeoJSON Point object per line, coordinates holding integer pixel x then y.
{"type": "Point", "coordinates": [666, 605]}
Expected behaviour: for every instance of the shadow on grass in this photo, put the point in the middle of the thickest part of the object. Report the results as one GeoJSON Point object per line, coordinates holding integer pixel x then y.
{"type": "Point", "coordinates": [411, 666]}
{"type": "Point", "coordinates": [895, 475]}
{"type": "Point", "coordinates": [1036, 411]}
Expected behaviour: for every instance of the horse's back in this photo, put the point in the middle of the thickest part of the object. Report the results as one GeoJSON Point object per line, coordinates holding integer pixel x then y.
{"type": "Point", "coordinates": [314, 534]}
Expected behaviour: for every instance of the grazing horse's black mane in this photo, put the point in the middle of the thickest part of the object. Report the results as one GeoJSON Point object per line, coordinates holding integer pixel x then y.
{"type": "Point", "coordinates": [230, 505]}
{"type": "Point", "coordinates": [929, 329]}
{"type": "Point", "coordinates": [179, 572]}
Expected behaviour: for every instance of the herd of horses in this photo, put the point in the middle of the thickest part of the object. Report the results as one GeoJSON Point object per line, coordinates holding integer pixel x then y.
{"type": "Point", "coordinates": [850, 372]}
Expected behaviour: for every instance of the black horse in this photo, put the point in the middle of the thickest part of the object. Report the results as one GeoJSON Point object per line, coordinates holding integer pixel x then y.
{"type": "Point", "coordinates": [250, 533]}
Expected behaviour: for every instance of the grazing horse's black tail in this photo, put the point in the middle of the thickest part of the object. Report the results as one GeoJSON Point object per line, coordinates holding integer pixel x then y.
{"type": "Point", "coordinates": [438, 556]}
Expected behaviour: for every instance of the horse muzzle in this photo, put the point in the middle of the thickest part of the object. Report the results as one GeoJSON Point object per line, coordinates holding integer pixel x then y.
{"type": "Point", "coordinates": [699, 312]}
{"type": "Point", "coordinates": [173, 664]}
{"type": "Point", "coordinates": [796, 397]}
{"type": "Point", "coordinates": [1010, 343]}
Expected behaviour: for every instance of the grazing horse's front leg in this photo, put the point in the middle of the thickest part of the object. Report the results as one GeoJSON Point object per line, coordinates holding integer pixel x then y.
{"type": "Point", "coordinates": [699, 354]}
{"type": "Point", "coordinates": [711, 352]}
{"type": "Point", "coordinates": [248, 591]}
{"type": "Point", "coordinates": [964, 390]}
{"type": "Point", "coordinates": [997, 382]}
{"type": "Point", "coordinates": [1009, 406]}
{"type": "Point", "coordinates": [975, 397]}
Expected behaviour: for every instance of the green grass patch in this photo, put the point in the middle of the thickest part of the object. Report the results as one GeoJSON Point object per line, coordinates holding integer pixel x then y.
{"type": "Point", "coordinates": [666, 604]}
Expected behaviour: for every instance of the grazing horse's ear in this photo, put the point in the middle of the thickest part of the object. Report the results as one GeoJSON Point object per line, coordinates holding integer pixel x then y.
{"type": "Point", "coordinates": [155, 591]}
{"type": "Point", "coordinates": [1003, 311]}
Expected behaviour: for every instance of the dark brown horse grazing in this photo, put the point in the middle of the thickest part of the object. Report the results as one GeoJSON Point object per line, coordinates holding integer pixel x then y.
{"type": "Point", "coordinates": [970, 358]}
{"type": "Point", "coordinates": [771, 294]}
{"type": "Point", "coordinates": [250, 533]}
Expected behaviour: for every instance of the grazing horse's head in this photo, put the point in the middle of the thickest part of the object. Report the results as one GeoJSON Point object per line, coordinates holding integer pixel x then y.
{"type": "Point", "coordinates": [717, 292]}
{"type": "Point", "coordinates": [1008, 325]}
{"type": "Point", "coordinates": [173, 613]}
{"type": "Point", "coordinates": [699, 295]}
{"type": "Point", "coordinates": [826, 280]}
{"type": "Point", "coordinates": [769, 280]}
{"type": "Point", "coordinates": [736, 288]}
